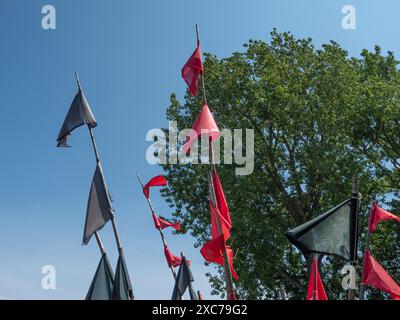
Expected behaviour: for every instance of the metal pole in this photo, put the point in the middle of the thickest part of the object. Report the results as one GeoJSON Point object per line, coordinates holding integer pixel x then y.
{"type": "Point", "coordinates": [315, 260]}
{"type": "Point", "coordinates": [160, 231]}
{"type": "Point", "coordinates": [362, 286]}
{"type": "Point", "coordinates": [100, 243]}
{"type": "Point", "coordinates": [203, 86]}
{"type": "Point", "coordinates": [227, 270]}
{"type": "Point", "coordinates": [354, 230]}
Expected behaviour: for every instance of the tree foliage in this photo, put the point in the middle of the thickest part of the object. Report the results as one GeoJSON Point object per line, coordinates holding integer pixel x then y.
{"type": "Point", "coordinates": [320, 118]}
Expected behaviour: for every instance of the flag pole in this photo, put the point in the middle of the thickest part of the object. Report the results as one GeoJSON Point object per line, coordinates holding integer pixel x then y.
{"type": "Point", "coordinates": [160, 231]}
{"type": "Point", "coordinates": [96, 234]}
{"type": "Point", "coordinates": [354, 230]}
{"type": "Point", "coordinates": [114, 225]}
{"type": "Point", "coordinates": [362, 286]}
{"type": "Point", "coordinates": [203, 86]}
{"type": "Point", "coordinates": [315, 260]}
{"type": "Point", "coordinates": [227, 270]}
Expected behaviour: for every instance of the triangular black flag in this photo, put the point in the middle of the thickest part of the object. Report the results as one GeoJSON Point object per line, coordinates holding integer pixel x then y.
{"type": "Point", "coordinates": [330, 233]}
{"type": "Point", "coordinates": [122, 285]}
{"type": "Point", "coordinates": [99, 209]}
{"type": "Point", "coordinates": [102, 284]}
{"type": "Point", "coordinates": [78, 114]}
{"type": "Point", "coordinates": [183, 280]}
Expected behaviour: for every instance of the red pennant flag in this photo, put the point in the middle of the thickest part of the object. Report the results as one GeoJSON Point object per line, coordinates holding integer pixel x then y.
{"type": "Point", "coordinates": [204, 124]}
{"type": "Point", "coordinates": [192, 69]}
{"type": "Point", "coordinates": [377, 215]}
{"type": "Point", "coordinates": [173, 261]}
{"type": "Point", "coordinates": [220, 209]}
{"type": "Point", "coordinates": [162, 224]}
{"type": "Point", "coordinates": [316, 284]}
{"type": "Point", "coordinates": [157, 181]}
{"type": "Point", "coordinates": [376, 276]}
{"type": "Point", "coordinates": [213, 251]}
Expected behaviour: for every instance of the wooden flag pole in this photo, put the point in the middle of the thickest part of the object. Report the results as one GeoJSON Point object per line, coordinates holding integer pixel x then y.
{"type": "Point", "coordinates": [227, 269]}
{"type": "Point", "coordinates": [362, 286]}
{"type": "Point", "coordinates": [203, 86]}
{"type": "Point", "coordinates": [160, 231]}
{"type": "Point", "coordinates": [315, 259]}
{"type": "Point", "coordinates": [114, 224]}
{"type": "Point", "coordinates": [354, 229]}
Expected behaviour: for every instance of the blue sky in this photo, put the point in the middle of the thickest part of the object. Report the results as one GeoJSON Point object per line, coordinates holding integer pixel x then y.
{"type": "Point", "coordinates": [129, 55]}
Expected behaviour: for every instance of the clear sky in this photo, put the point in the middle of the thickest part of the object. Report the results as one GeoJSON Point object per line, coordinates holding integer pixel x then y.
{"type": "Point", "coordinates": [129, 55]}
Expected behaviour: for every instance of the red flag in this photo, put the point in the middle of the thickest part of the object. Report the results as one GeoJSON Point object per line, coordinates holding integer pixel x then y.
{"type": "Point", "coordinates": [220, 208]}
{"type": "Point", "coordinates": [376, 276]}
{"type": "Point", "coordinates": [192, 69]}
{"type": "Point", "coordinates": [213, 251]}
{"type": "Point", "coordinates": [204, 124]}
{"type": "Point", "coordinates": [173, 261]}
{"type": "Point", "coordinates": [378, 215]}
{"type": "Point", "coordinates": [157, 181]}
{"type": "Point", "coordinates": [316, 284]}
{"type": "Point", "coordinates": [162, 224]}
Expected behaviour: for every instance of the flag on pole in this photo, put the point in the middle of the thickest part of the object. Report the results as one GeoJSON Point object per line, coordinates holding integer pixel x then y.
{"type": "Point", "coordinates": [204, 124]}
{"type": "Point", "coordinates": [79, 114]}
{"type": "Point", "coordinates": [330, 233]}
{"type": "Point", "coordinates": [192, 69]}
{"type": "Point", "coordinates": [99, 209]}
{"type": "Point", "coordinates": [183, 280]}
{"type": "Point", "coordinates": [102, 284]}
{"type": "Point", "coordinates": [376, 276]}
{"type": "Point", "coordinates": [161, 224]}
{"type": "Point", "coordinates": [172, 261]}
{"type": "Point", "coordinates": [213, 251]}
{"type": "Point", "coordinates": [157, 181]}
{"type": "Point", "coordinates": [315, 285]}
{"type": "Point", "coordinates": [122, 284]}
{"type": "Point", "coordinates": [377, 215]}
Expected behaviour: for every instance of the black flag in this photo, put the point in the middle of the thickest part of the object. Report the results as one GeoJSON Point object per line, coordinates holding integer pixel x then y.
{"type": "Point", "coordinates": [99, 209]}
{"type": "Point", "coordinates": [79, 113]}
{"type": "Point", "coordinates": [183, 280]}
{"type": "Point", "coordinates": [102, 284]}
{"type": "Point", "coordinates": [330, 233]}
{"type": "Point", "coordinates": [122, 285]}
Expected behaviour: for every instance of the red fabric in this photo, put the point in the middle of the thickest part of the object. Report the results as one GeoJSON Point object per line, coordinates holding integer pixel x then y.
{"type": "Point", "coordinates": [377, 215]}
{"type": "Point", "coordinates": [173, 261]}
{"type": "Point", "coordinates": [199, 295]}
{"type": "Point", "coordinates": [204, 124]}
{"type": "Point", "coordinates": [162, 224]}
{"type": "Point", "coordinates": [221, 210]}
{"type": "Point", "coordinates": [376, 276]}
{"type": "Point", "coordinates": [213, 251]}
{"type": "Point", "coordinates": [192, 69]}
{"type": "Point", "coordinates": [316, 284]}
{"type": "Point", "coordinates": [157, 181]}
{"type": "Point", "coordinates": [232, 296]}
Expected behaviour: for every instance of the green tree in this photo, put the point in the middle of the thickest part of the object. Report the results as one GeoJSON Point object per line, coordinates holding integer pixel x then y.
{"type": "Point", "coordinates": [306, 109]}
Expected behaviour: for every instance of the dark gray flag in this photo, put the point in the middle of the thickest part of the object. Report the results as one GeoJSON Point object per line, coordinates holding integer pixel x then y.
{"type": "Point", "coordinates": [99, 209]}
{"type": "Point", "coordinates": [330, 233]}
{"type": "Point", "coordinates": [79, 113]}
{"type": "Point", "coordinates": [122, 285]}
{"type": "Point", "coordinates": [183, 280]}
{"type": "Point", "coordinates": [102, 284]}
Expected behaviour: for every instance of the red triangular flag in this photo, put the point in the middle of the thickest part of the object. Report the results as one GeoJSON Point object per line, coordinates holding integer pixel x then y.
{"type": "Point", "coordinates": [160, 223]}
{"type": "Point", "coordinates": [213, 251]}
{"type": "Point", "coordinates": [192, 69]}
{"type": "Point", "coordinates": [376, 276]}
{"type": "Point", "coordinates": [220, 208]}
{"type": "Point", "coordinates": [204, 124]}
{"type": "Point", "coordinates": [157, 181]}
{"type": "Point", "coordinates": [316, 284]}
{"type": "Point", "coordinates": [377, 215]}
{"type": "Point", "coordinates": [173, 261]}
